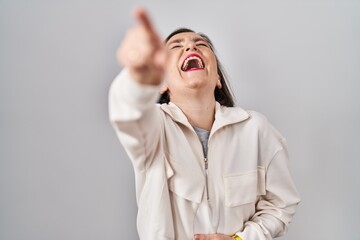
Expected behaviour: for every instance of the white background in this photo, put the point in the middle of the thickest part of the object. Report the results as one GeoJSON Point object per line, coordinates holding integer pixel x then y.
{"type": "Point", "coordinates": [63, 173]}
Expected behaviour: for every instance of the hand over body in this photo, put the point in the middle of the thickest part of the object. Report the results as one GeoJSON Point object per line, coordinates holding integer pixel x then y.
{"type": "Point", "coordinates": [212, 237]}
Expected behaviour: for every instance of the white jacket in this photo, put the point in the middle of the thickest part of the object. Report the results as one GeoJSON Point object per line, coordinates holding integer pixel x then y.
{"type": "Point", "coordinates": [249, 188]}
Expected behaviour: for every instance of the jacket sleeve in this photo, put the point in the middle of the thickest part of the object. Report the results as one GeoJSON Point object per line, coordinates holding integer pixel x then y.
{"type": "Point", "coordinates": [276, 208]}
{"type": "Point", "coordinates": [139, 125]}
{"type": "Point", "coordinates": [136, 118]}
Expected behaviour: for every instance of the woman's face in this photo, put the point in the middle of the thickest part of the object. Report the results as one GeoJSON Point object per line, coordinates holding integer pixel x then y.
{"type": "Point", "coordinates": [191, 64]}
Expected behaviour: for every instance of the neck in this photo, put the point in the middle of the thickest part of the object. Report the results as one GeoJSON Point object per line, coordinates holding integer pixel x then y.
{"type": "Point", "coordinates": [199, 112]}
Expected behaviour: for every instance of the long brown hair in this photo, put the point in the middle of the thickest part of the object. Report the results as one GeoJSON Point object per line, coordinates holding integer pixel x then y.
{"type": "Point", "coordinates": [224, 95]}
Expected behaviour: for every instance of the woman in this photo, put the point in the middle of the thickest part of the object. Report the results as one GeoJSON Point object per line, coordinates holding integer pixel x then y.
{"type": "Point", "coordinates": [204, 169]}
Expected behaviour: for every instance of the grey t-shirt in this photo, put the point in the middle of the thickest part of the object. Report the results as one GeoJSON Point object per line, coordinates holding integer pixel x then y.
{"type": "Point", "coordinates": [204, 138]}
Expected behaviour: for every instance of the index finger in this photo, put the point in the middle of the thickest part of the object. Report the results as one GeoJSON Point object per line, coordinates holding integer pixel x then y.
{"type": "Point", "coordinates": [144, 20]}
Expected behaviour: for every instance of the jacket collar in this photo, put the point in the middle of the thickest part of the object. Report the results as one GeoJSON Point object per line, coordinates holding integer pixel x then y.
{"type": "Point", "coordinates": [223, 115]}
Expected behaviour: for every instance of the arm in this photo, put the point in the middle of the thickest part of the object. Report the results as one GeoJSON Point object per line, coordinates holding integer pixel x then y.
{"type": "Point", "coordinates": [133, 93]}
{"type": "Point", "coordinates": [135, 117]}
{"type": "Point", "coordinates": [275, 210]}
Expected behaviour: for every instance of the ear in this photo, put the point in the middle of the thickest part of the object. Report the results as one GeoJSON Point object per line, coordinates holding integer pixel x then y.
{"type": "Point", "coordinates": [218, 83]}
{"type": "Point", "coordinates": [164, 88]}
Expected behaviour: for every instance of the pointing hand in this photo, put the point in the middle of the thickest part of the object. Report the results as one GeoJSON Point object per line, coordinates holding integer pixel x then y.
{"type": "Point", "coordinates": [142, 51]}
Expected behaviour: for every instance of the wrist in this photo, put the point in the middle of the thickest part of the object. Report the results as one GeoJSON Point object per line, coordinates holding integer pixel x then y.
{"type": "Point", "coordinates": [146, 76]}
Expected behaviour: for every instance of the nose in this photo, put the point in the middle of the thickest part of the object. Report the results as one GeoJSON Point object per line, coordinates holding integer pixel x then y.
{"type": "Point", "coordinates": [190, 46]}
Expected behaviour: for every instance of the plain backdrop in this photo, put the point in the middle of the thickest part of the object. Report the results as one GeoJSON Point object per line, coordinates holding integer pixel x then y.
{"type": "Point", "coordinates": [64, 174]}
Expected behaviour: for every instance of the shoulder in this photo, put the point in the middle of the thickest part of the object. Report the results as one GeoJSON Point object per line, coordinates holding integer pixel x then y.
{"type": "Point", "coordinates": [258, 119]}
{"type": "Point", "coordinates": [249, 117]}
{"type": "Point", "coordinates": [262, 125]}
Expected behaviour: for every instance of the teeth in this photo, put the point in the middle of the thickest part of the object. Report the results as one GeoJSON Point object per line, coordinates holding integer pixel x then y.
{"type": "Point", "coordinates": [186, 63]}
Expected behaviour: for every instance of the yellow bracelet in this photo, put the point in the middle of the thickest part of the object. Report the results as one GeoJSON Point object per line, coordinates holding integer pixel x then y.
{"type": "Point", "coordinates": [236, 237]}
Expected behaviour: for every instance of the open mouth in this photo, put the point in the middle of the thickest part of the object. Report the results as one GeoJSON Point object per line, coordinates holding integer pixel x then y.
{"type": "Point", "coordinates": [192, 62]}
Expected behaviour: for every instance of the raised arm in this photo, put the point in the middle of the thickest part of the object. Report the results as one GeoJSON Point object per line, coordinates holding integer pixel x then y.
{"type": "Point", "coordinates": [135, 90]}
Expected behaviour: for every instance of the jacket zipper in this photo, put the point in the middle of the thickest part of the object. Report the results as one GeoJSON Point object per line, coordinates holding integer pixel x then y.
{"type": "Point", "coordinates": [206, 177]}
{"type": "Point", "coordinates": [206, 166]}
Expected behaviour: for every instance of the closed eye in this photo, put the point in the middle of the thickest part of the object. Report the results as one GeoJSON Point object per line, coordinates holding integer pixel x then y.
{"type": "Point", "coordinates": [202, 44]}
{"type": "Point", "coordinates": [175, 46]}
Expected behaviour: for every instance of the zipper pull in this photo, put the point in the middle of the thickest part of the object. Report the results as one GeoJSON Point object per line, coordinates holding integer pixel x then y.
{"type": "Point", "coordinates": [206, 164]}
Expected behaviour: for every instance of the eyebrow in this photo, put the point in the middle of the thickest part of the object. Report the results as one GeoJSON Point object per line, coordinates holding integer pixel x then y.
{"type": "Point", "coordinates": [179, 40]}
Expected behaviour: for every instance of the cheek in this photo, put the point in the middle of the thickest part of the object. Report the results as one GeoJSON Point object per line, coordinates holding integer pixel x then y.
{"type": "Point", "coordinates": [170, 74]}
{"type": "Point", "coordinates": [213, 66]}
{"type": "Point", "coordinates": [171, 67]}
{"type": "Point", "coordinates": [172, 61]}
{"type": "Point", "coordinates": [212, 60]}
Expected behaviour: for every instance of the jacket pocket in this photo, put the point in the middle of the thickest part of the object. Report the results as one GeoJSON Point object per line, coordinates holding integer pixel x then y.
{"type": "Point", "coordinates": [244, 188]}
{"type": "Point", "coordinates": [186, 182]}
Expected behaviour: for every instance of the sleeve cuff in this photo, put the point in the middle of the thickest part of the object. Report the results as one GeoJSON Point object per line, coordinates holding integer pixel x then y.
{"type": "Point", "coordinates": [128, 99]}
{"type": "Point", "coordinates": [134, 92]}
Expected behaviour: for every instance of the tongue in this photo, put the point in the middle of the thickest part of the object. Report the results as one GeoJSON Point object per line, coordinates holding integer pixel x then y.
{"type": "Point", "coordinates": [192, 65]}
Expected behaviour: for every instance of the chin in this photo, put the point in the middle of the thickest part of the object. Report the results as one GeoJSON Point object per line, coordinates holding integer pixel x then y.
{"type": "Point", "coordinates": [196, 83]}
